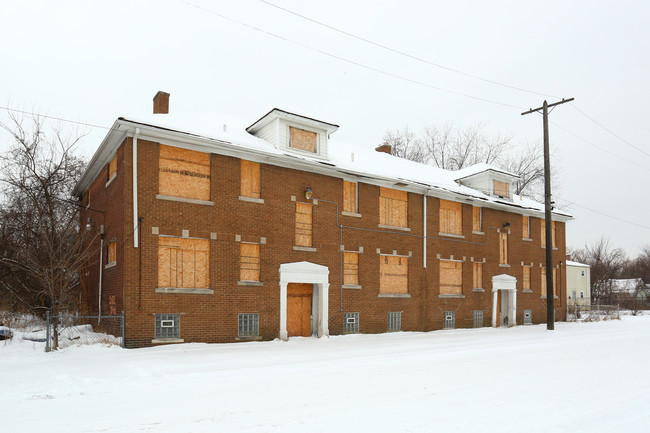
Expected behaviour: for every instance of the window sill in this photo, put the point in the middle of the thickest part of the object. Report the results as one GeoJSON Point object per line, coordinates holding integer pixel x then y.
{"type": "Point", "coordinates": [477, 233]}
{"type": "Point", "coordinates": [554, 297]}
{"type": "Point", "coordinates": [351, 286]}
{"type": "Point", "coordinates": [351, 214]}
{"type": "Point", "coordinates": [249, 283]}
{"type": "Point", "coordinates": [451, 235]}
{"type": "Point", "coordinates": [110, 265]}
{"type": "Point", "coordinates": [167, 340]}
{"type": "Point", "coordinates": [527, 291]}
{"type": "Point", "coordinates": [504, 265]}
{"type": "Point", "coordinates": [183, 290]}
{"type": "Point", "coordinates": [450, 296]}
{"type": "Point", "coordinates": [403, 229]}
{"type": "Point", "coordinates": [251, 199]}
{"type": "Point", "coordinates": [184, 200]}
{"type": "Point", "coordinates": [255, 338]}
{"type": "Point", "coordinates": [527, 239]}
{"type": "Point", "coordinates": [393, 295]}
{"type": "Point", "coordinates": [478, 290]}
{"type": "Point", "coordinates": [308, 249]}
{"type": "Point", "coordinates": [110, 181]}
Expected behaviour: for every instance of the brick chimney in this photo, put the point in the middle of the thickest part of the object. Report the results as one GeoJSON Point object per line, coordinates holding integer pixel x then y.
{"type": "Point", "coordinates": [161, 103]}
{"type": "Point", "coordinates": [386, 148]}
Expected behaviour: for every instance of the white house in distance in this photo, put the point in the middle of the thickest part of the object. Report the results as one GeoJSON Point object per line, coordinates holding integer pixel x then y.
{"type": "Point", "coordinates": [578, 283]}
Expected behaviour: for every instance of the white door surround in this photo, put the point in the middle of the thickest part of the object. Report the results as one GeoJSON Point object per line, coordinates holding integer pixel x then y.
{"type": "Point", "coordinates": [507, 284]}
{"type": "Point", "coordinates": [311, 273]}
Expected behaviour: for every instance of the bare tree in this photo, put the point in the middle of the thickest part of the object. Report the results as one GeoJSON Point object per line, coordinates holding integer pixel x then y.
{"type": "Point", "coordinates": [454, 148]}
{"type": "Point", "coordinates": [43, 249]}
{"type": "Point", "coordinates": [606, 264]}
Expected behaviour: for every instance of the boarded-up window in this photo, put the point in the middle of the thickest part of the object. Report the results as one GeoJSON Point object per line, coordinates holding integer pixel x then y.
{"type": "Point", "coordinates": [555, 292]}
{"type": "Point", "coordinates": [501, 189]}
{"type": "Point", "coordinates": [477, 219]}
{"type": "Point", "coordinates": [478, 275]}
{"type": "Point", "coordinates": [184, 173]}
{"type": "Point", "coordinates": [393, 207]}
{"type": "Point", "coordinates": [526, 278]}
{"type": "Point", "coordinates": [250, 179]}
{"type": "Point", "coordinates": [525, 227]}
{"type": "Point", "coordinates": [543, 281]}
{"type": "Point", "coordinates": [350, 196]}
{"type": "Point", "coordinates": [451, 277]}
{"type": "Point", "coordinates": [303, 224]}
{"type": "Point", "coordinates": [303, 140]}
{"type": "Point", "coordinates": [543, 230]}
{"type": "Point", "coordinates": [112, 168]}
{"type": "Point", "coordinates": [249, 262]}
{"type": "Point", "coordinates": [351, 268]}
{"type": "Point", "coordinates": [451, 217]}
{"type": "Point", "coordinates": [183, 263]}
{"type": "Point", "coordinates": [544, 291]}
{"type": "Point", "coordinates": [503, 248]}
{"type": "Point", "coordinates": [393, 274]}
{"type": "Point", "coordinates": [112, 252]}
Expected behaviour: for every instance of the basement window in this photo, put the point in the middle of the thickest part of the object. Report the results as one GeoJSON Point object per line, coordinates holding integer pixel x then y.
{"type": "Point", "coordinates": [394, 321]}
{"type": "Point", "coordinates": [351, 323]}
{"type": "Point", "coordinates": [528, 317]}
{"type": "Point", "coordinates": [478, 319]}
{"type": "Point", "coordinates": [168, 326]}
{"type": "Point", "coordinates": [248, 325]}
{"type": "Point", "coordinates": [450, 319]}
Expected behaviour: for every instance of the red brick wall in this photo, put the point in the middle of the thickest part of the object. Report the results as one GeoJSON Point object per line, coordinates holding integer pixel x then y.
{"type": "Point", "coordinates": [213, 317]}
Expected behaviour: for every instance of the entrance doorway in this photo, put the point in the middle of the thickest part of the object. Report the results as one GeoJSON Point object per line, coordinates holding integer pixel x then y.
{"type": "Point", "coordinates": [504, 301]}
{"type": "Point", "coordinates": [299, 303]}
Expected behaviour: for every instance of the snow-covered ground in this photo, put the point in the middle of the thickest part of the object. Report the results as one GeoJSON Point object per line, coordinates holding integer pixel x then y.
{"type": "Point", "coordinates": [583, 377]}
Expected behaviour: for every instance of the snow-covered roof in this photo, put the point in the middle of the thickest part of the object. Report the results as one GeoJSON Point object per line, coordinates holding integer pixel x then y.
{"type": "Point", "coordinates": [215, 131]}
{"type": "Point", "coordinates": [480, 168]}
{"type": "Point", "coordinates": [628, 285]}
{"type": "Point", "coordinates": [572, 263]}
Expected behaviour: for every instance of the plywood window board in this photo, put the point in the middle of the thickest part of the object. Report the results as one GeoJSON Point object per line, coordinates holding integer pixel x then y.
{"type": "Point", "coordinates": [249, 267]}
{"type": "Point", "coordinates": [350, 196]}
{"type": "Point", "coordinates": [112, 168]}
{"type": "Point", "coordinates": [525, 227]}
{"type": "Point", "coordinates": [393, 207]}
{"type": "Point", "coordinates": [303, 225]}
{"type": "Point", "coordinates": [451, 217]}
{"type": "Point", "coordinates": [112, 251]}
{"type": "Point", "coordinates": [543, 277]}
{"type": "Point", "coordinates": [526, 278]}
{"type": "Point", "coordinates": [250, 179]}
{"type": "Point", "coordinates": [303, 140]}
{"type": "Point", "coordinates": [451, 277]}
{"type": "Point", "coordinates": [183, 263]}
{"type": "Point", "coordinates": [184, 173]}
{"type": "Point", "coordinates": [502, 189]}
{"type": "Point", "coordinates": [478, 275]}
{"type": "Point", "coordinates": [503, 248]}
{"type": "Point", "coordinates": [393, 274]}
{"type": "Point", "coordinates": [351, 268]}
{"type": "Point", "coordinates": [477, 219]}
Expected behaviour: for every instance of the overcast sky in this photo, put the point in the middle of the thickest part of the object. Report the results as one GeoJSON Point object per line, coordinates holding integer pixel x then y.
{"type": "Point", "coordinates": [93, 61]}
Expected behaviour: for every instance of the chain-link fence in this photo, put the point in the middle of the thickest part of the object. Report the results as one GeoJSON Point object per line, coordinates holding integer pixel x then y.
{"type": "Point", "coordinates": [66, 330]}
{"type": "Point", "coordinates": [591, 313]}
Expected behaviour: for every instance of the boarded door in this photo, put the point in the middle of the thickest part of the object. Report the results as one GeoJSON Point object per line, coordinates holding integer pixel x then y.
{"type": "Point", "coordinates": [299, 309]}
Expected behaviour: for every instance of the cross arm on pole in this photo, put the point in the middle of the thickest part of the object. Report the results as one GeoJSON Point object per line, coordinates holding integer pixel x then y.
{"type": "Point", "coordinates": [532, 110]}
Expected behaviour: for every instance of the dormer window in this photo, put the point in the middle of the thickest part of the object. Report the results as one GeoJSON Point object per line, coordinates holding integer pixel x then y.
{"type": "Point", "coordinates": [303, 140]}
{"type": "Point", "coordinates": [502, 189]}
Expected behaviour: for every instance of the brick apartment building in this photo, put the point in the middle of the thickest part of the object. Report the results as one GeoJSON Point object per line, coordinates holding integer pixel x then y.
{"type": "Point", "coordinates": [212, 232]}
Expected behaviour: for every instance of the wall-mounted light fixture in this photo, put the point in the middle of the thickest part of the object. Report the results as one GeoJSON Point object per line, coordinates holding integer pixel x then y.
{"type": "Point", "coordinates": [89, 224]}
{"type": "Point", "coordinates": [308, 193]}
{"type": "Point", "coordinates": [506, 225]}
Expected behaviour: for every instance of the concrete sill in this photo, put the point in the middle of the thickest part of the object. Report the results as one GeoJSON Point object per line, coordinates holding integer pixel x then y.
{"type": "Point", "coordinates": [451, 235]}
{"type": "Point", "coordinates": [167, 340]}
{"type": "Point", "coordinates": [351, 286]}
{"type": "Point", "coordinates": [477, 233]}
{"type": "Point", "coordinates": [527, 239]}
{"type": "Point", "coordinates": [185, 291]}
{"type": "Point", "coordinates": [110, 181]}
{"type": "Point", "coordinates": [255, 338]}
{"type": "Point", "coordinates": [110, 265]}
{"type": "Point", "coordinates": [393, 295]}
{"type": "Point", "coordinates": [478, 290]}
{"type": "Point", "coordinates": [451, 296]}
{"type": "Point", "coordinates": [308, 249]}
{"type": "Point", "coordinates": [184, 200]}
{"type": "Point", "coordinates": [554, 297]}
{"type": "Point", "coordinates": [250, 283]}
{"type": "Point", "coordinates": [384, 226]}
{"type": "Point", "coordinates": [503, 265]}
{"type": "Point", "coordinates": [527, 291]}
{"type": "Point", "coordinates": [251, 199]}
{"type": "Point", "coordinates": [351, 214]}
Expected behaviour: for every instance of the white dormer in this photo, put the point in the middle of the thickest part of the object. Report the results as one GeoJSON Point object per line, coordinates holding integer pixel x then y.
{"type": "Point", "coordinates": [488, 179]}
{"type": "Point", "coordinates": [294, 133]}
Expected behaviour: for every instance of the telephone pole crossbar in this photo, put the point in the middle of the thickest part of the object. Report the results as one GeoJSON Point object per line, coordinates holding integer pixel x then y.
{"type": "Point", "coordinates": [550, 312]}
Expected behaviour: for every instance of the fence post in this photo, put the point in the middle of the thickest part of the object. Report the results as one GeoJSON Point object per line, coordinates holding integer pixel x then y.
{"type": "Point", "coordinates": [47, 332]}
{"type": "Point", "coordinates": [123, 341]}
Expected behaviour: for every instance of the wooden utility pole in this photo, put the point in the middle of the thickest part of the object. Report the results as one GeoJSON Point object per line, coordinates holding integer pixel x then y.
{"type": "Point", "coordinates": [550, 312]}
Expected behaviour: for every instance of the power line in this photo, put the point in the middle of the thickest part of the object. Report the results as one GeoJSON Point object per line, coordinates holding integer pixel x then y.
{"type": "Point", "coordinates": [405, 54]}
{"type": "Point", "coordinates": [606, 215]}
{"type": "Point", "coordinates": [353, 62]}
{"type": "Point", "coordinates": [61, 119]}
{"type": "Point", "coordinates": [612, 133]}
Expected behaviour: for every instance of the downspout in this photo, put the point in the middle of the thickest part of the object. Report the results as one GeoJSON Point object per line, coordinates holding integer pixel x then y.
{"type": "Point", "coordinates": [424, 231]}
{"type": "Point", "coordinates": [135, 188]}
{"type": "Point", "coordinates": [101, 270]}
